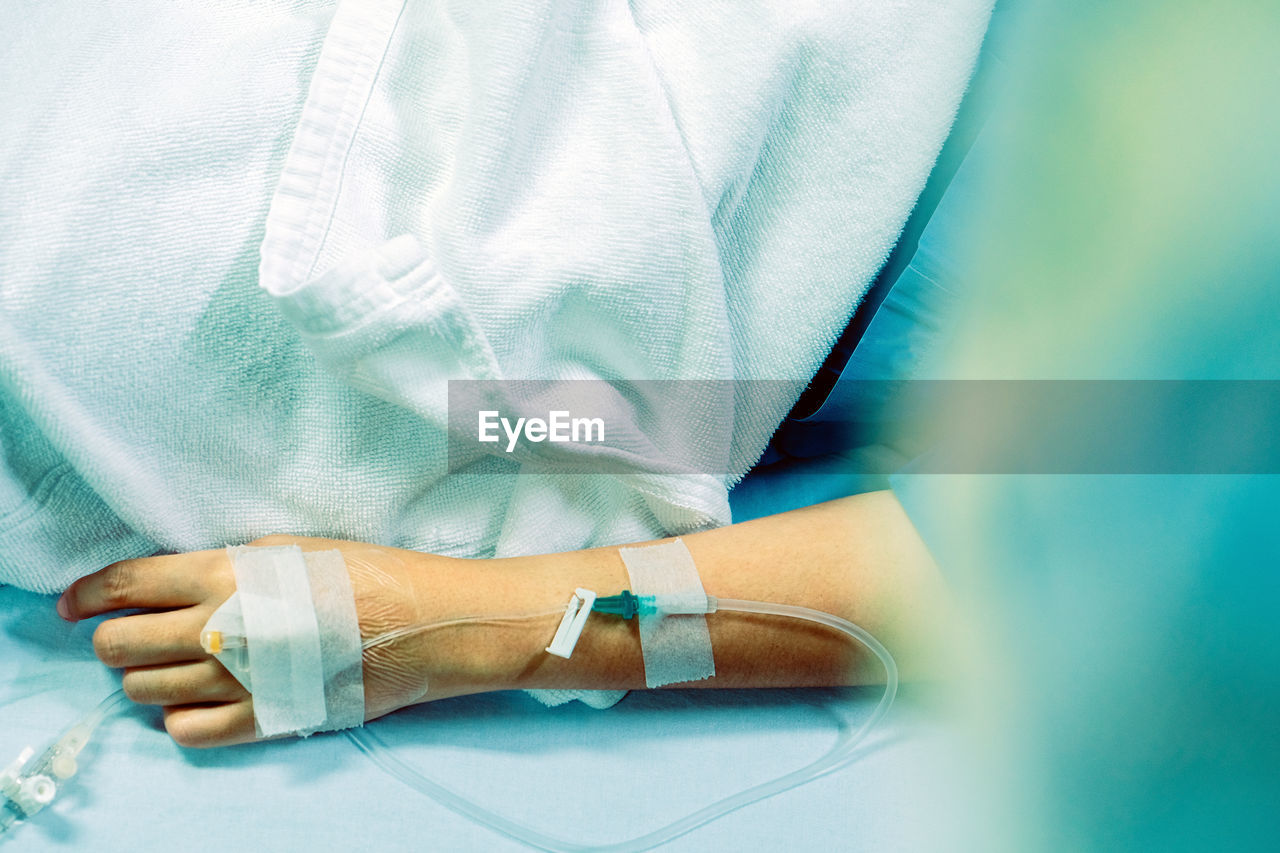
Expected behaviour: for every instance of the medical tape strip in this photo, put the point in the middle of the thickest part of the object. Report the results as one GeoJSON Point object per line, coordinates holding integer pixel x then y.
{"type": "Point", "coordinates": [285, 671]}
{"type": "Point", "coordinates": [341, 649]}
{"type": "Point", "coordinates": [676, 647]}
{"type": "Point", "coordinates": [297, 614]}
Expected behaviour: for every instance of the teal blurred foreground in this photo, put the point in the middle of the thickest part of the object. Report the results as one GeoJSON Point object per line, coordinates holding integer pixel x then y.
{"type": "Point", "coordinates": [1126, 629]}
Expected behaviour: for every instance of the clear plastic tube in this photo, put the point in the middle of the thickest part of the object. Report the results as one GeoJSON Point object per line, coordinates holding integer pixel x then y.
{"type": "Point", "coordinates": [841, 754]}
{"type": "Point", "coordinates": [27, 787]}
{"type": "Point", "coordinates": [105, 708]}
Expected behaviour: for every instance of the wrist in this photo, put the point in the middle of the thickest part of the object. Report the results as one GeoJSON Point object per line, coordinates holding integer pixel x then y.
{"type": "Point", "coordinates": [488, 623]}
{"type": "Point", "coordinates": [506, 613]}
{"type": "Point", "coordinates": [512, 655]}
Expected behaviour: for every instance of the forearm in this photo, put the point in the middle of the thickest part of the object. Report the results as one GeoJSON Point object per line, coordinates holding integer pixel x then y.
{"type": "Point", "coordinates": [858, 558]}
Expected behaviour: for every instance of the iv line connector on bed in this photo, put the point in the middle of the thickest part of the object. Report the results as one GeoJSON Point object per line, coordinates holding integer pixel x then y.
{"type": "Point", "coordinates": [27, 786]}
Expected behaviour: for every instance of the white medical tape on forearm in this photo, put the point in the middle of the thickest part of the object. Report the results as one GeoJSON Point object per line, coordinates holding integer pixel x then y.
{"type": "Point", "coordinates": [297, 615]}
{"type": "Point", "coordinates": [676, 647]}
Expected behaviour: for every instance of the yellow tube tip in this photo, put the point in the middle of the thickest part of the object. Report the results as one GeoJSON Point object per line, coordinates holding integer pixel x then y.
{"type": "Point", "coordinates": [212, 642]}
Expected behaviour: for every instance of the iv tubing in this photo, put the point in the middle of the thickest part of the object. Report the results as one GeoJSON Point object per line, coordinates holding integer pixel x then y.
{"type": "Point", "coordinates": [53, 768]}
{"type": "Point", "coordinates": [105, 707]}
{"type": "Point", "coordinates": [837, 757]}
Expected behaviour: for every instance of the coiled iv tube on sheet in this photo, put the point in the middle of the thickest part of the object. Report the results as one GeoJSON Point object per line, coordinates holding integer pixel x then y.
{"type": "Point", "coordinates": [841, 754]}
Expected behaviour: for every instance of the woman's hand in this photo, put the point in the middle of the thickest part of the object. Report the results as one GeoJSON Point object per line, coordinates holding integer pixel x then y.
{"type": "Point", "coordinates": [204, 705]}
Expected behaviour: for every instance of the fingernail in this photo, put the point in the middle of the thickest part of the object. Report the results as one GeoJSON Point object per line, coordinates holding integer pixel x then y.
{"type": "Point", "coordinates": [64, 609]}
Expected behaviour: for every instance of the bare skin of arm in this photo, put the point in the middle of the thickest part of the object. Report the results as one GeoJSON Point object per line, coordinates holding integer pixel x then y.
{"type": "Point", "coordinates": [858, 557]}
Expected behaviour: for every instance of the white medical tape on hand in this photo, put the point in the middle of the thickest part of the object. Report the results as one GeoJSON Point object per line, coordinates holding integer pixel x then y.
{"type": "Point", "coordinates": [676, 647]}
{"type": "Point", "coordinates": [296, 613]}
{"type": "Point", "coordinates": [341, 649]}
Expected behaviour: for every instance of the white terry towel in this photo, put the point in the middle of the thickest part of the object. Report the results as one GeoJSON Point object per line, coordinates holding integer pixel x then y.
{"type": "Point", "coordinates": [606, 190]}
{"type": "Point", "coordinates": [532, 189]}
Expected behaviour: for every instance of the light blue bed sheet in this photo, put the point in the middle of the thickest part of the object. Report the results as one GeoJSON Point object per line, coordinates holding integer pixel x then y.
{"type": "Point", "coordinates": [585, 775]}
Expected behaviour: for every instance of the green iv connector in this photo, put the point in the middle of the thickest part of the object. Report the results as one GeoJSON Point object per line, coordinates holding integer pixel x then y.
{"type": "Point", "coordinates": [625, 604]}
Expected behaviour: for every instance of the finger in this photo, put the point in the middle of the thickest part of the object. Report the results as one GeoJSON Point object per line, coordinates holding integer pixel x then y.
{"type": "Point", "coordinates": [174, 580]}
{"type": "Point", "coordinates": [183, 684]}
{"type": "Point", "coordinates": [204, 726]}
{"type": "Point", "coordinates": [151, 638]}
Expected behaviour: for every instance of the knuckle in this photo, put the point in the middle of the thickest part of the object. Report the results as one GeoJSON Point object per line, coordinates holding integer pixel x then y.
{"type": "Point", "coordinates": [109, 645]}
{"type": "Point", "coordinates": [118, 585]}
{"type": "Point", "coordinates": [136, 688]}
{"type": "Point", "coordinates": [186, 731]}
